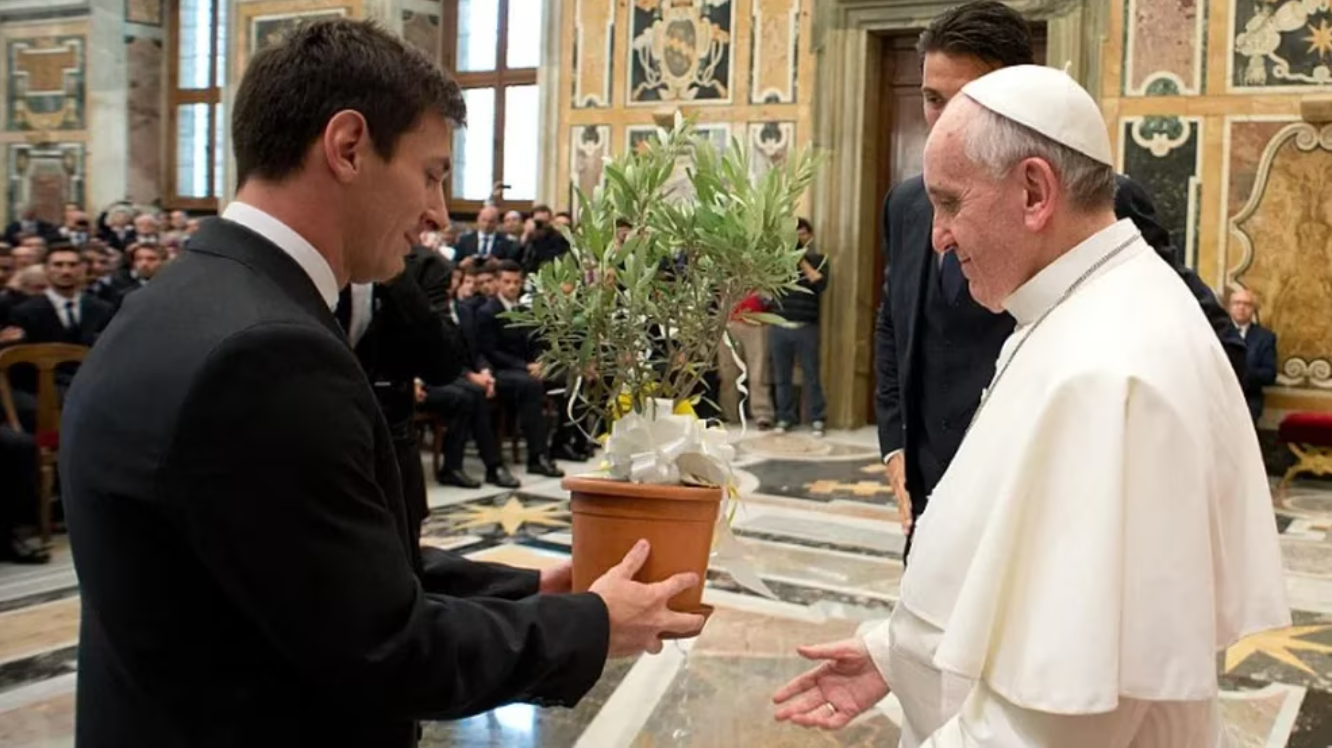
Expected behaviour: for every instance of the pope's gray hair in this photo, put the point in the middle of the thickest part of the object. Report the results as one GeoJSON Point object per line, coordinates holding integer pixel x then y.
{"type": "Point", "coordinates": [997, 144]}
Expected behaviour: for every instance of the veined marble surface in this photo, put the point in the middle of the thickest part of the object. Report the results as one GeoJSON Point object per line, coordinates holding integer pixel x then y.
{"type": "Point", "coordinates": [817, 524]}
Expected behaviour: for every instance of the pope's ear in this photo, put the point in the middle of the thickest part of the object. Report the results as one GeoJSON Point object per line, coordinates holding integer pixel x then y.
{"type": "Point", "coordinates": [1040, 186]}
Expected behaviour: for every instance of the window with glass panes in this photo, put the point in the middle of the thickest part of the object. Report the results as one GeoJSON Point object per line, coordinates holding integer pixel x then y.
{"type": "Point", "coordinates": [195, 120]}
{"type": "Point", "coordinates": [494, 48]}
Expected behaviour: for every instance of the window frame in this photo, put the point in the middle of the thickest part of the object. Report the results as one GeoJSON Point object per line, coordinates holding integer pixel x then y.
{"type": "Point", "coordinates": [177, 97]}
{"type": "Point", "coordinates": [501, 78]}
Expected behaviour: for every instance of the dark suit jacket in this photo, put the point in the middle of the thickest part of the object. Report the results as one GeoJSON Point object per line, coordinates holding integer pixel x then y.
{"type": "Point", "coordinates": [503, 344]}
{"type": "Point", "coordinates": [907, 221]}
{"type": "Point", "coordinates": [433, 274]}
{"type": "Point", "coordinates": [41, 324]}
{"type": "Point", "coordinates": [45, 230]}
{"type": "Point", "coordinates": [469, 327]}
{"type": "Point", "coordinates": [1260, 366]}
{"type": "Point", "coordinates": [501, 246]}
{"type": "Point", "coordinates": [240, 535]}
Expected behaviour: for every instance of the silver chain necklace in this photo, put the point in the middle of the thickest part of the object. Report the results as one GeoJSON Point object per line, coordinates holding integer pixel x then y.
{"type": "Point", "coordinates": [985, 395]}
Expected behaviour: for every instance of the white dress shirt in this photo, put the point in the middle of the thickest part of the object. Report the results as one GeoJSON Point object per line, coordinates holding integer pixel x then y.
{"type": "Point", "coordinates": [69, 317]}
{"type": "Point", "coordinates": [362, 311]}
{"type": "Point", "coordinates": [295, 245]}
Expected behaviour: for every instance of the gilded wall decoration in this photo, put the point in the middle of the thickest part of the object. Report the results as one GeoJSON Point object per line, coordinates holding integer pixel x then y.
{"type": "Point", "coordinates": [1282, 44]}
{"type": "Point", "coordinates": [1164, 155]}
{"type": "Point", "coordinates": [680, 51]}
{"type": "Point", "coordinates": [774, 62]}
{"type": "Point", "coordinates": [770, 144]}
{"type": "Point", "coordinates": [421, 30]}
{"type": "Point", "coordinates": [593, 53]}
{"type": "Point", "coordinates": [678, 187]}
{"type": "Point", "coordinates": [1163, 42]}
{"type": "Point", "coordinates": [46, 86]}
{"type": "Point", "coordinates": [588, 148]}
{"type": "Point", "coordinates": [264, 23]}
{"type": "Point", "coordinates": [1284, 235]}
{"type": "Point", "coordinates": [147, 12]}
{"type": "Point", "coordinates": [45, 177]}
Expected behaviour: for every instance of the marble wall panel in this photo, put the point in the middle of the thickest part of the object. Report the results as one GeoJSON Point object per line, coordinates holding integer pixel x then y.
{"type": "Point", "coordinates": [1163, 47]}
{"type": "Point", "coordinates": [680, 51]}
{"type": "Point", "coordinates": [775, 35]}
{"type": "Point", "coordinates": [1280, 44]}
{"type": "Point", "coordinates": [593, 53]}
{"type": "Point", "coordinates": [678, 188]}
{"type": "Point", "coordinates": [146, 121]}
{"type": "Point", "coordinates": [770, 144]}
{"type": "Point", "coordinates": [421, 30]}
{"type": "Point", "coordinates": [1163, 154]}
{"type": "Point", "coordinates": [1248, 139]}
{"type": "Point", "coordinates": [147, 12]}
{"type": "Point", "coordinates": [1284, 249]}
{"type": "Point", "coordinates": [588, 148]}
{"type": "Point", "coordinates": [44, 177]}
{"type": "Point", "coordinates": [264, 23]}
{"type": "Point", "coordinates": [45, 83]}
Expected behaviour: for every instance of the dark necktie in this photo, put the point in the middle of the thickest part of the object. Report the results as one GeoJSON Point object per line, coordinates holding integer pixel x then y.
{"type": "Point", "coordinates": [485, 245]}
{"type": "Point", "coordinates": [344, 311]}
{"type": "Point", "coordinates": [951, 279]}
{"type": "Point", "coordinates": [71, 319]}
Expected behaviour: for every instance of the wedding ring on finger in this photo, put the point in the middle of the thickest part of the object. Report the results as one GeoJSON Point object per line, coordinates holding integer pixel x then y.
{"type": "Point", "coordinates": [832, 708]}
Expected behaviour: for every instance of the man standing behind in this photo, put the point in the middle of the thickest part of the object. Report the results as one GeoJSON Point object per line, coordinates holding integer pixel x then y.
{"type": "Point", "coordinates": [787, 344]}
{"type": "Point", "coordinates": [233, 498]}
{"type": "Point", "coordinates": [1260, 365]}
{"type": "Point", "coordinates": [1106, 527]}
{"type": "Point", "coordinates": [934, 346]}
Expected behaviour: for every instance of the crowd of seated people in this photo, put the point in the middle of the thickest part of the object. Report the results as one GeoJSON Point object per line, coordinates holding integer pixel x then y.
{"type": "Point", "coordinates": [64, 283]}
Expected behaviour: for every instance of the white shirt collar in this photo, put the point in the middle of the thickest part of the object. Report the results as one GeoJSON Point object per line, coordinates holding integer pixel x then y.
{"type": "Point", "coordinates": [295, 245]}
{"type": "Point", "coordinates": [509, 306]}
{"type": "Point", "coordinates": [59, 302]}
{"type": "Point", "coordinates": [1034, 297]}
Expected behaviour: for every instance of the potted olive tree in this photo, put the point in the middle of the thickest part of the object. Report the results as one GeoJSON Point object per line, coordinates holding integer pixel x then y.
{"type": "Point", "coordinates": [634, 316]}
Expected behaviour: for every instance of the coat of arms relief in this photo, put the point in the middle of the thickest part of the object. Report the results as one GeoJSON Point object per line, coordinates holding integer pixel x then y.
{"type": "Point", "coordinates": [681, 51]}
{"type": "Point", "coordinates": [1284, 43]}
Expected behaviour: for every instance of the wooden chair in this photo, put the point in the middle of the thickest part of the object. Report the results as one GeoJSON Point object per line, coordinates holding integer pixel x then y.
{"type": "Point", "coordinates": [45, 357]}
{"type": "Point", "coordinates": [428, 423]}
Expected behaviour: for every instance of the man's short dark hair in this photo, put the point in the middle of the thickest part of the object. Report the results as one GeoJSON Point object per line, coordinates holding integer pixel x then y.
{"type": "Point", "coordinates": [564, 214]}
{"type": "Point", "coordinates": [134, 249]}
{"type": "Point", "coordinates": [541, 208]}
{"type": "Point", "coordinates": [292, 89]}
{"type": "Point", "coordinates": [986, 29]}
{"type": "Point", "coordinates": [62, 248]}
{"type": "Point", "coordinates": [803, 223]}
{"type": "Point", "coordinates": [475, 269]}
{"type": "Point", "coordinates": [509, 266]}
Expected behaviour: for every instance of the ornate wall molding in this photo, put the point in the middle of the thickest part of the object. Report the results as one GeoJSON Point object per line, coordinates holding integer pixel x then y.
{"type": "Point", "coordinates": [844, 208]}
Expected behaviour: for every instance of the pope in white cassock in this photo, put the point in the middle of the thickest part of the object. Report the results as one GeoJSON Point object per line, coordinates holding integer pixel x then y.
{"type": "Point", "coordinates": [1106, 526]}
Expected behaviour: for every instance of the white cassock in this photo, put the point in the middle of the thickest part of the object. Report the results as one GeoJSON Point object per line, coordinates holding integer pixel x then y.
{"type": "Point", "coordinates": [1104, 530]}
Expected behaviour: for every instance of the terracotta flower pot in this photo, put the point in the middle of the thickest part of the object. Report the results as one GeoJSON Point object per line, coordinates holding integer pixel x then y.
{"type": "Point", "coordinates": [609, 516]}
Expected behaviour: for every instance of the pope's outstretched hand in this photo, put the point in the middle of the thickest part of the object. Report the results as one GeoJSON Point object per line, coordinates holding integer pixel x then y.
{"type": "Point", "coordinates": [843, 684]}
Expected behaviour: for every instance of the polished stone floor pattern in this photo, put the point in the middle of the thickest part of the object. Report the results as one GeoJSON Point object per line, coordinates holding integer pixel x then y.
{"type": "Point", "coordinates": [817, 525]}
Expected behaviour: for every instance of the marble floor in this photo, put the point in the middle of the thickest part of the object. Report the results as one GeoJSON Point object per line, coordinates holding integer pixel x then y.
{"type": "Point", "coordinates": [817, 524]}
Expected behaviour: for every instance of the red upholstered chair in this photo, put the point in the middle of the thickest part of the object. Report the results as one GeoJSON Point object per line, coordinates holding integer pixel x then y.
{"type": "Point", "coordinates": [45, 357]}
{"type": "Point", "coordinates": [1309, 437]}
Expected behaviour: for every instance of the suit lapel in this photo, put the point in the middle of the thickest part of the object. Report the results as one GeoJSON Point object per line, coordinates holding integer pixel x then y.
{"type": "Point", "coordinates": [917, 252]}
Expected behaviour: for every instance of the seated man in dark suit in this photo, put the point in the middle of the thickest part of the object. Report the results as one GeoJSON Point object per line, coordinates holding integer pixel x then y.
{"type": "Point", "coordinates": [145, 260]}
{"type": "Point", "coordinates": [518, 374]}
{"type": "Point", "coordinates": [29, 223]}
{"type": "Point", "coordinates": [465, 406]}
{"type": "Point", "coordinates": [481, 275]}
{"type": "Point", "coordinates": [487, 241]}
{"type": "Point", "coordinates": [1260, 344]}
{"type": "Point", "coordinates": [64, 313]}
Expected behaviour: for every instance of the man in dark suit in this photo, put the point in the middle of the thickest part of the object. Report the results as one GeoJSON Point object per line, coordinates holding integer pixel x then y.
{"type": "Point", "coordinates": [29, 223]}
{"type": "Point", "coordinates": [935, 347]}
{"type": "Point", "coordinates": [518, 375]}
{"type": "Point", "coordinates": [233, 497]}
{"type": "Point", "coordinates": [398, 339]}
{"type": "Point", "coordinates": [487, 241]}
{"type": "Point", "coordinates": [465, 405]}
{"type": "Point", "coordinates": [1260, 343]}
{"type": "Point", "coordinates": [64, 313]}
